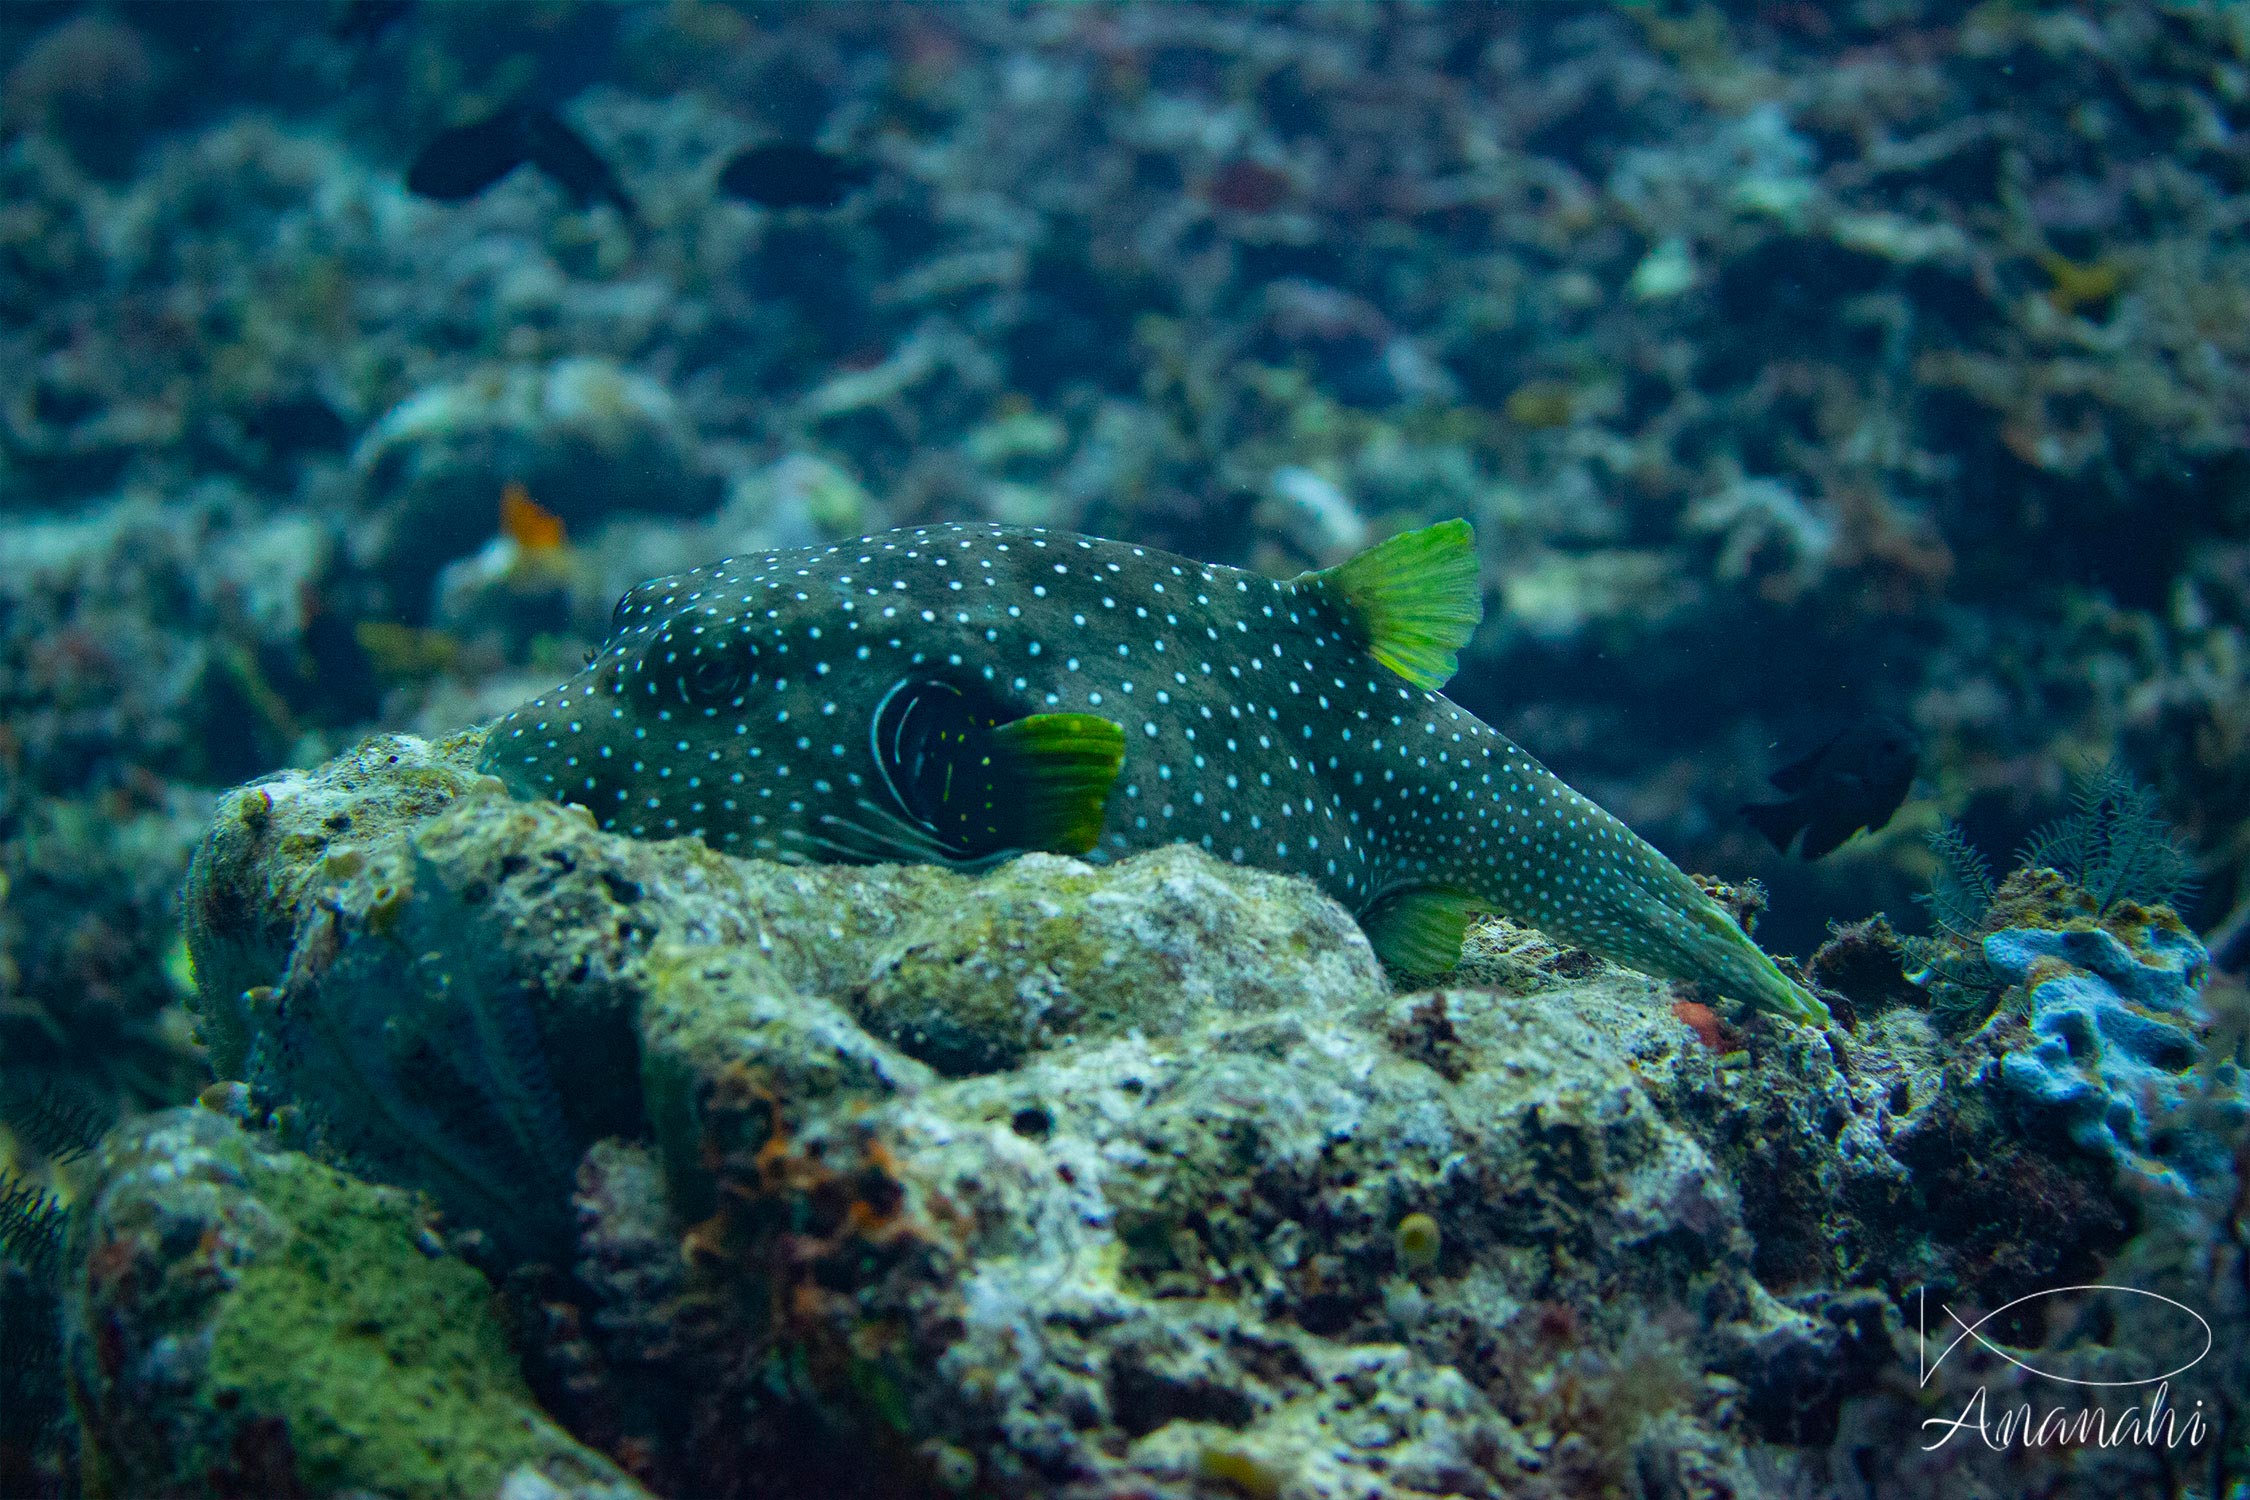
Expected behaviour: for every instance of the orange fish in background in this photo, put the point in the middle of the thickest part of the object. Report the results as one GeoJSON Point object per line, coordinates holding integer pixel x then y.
{"type": "Point", "coordinates": [527, 523]}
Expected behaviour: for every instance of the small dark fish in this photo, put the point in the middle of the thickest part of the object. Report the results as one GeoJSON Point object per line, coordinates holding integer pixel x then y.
{"type": "Point", "coordinates": [1856, 780]}
{"type": "Point", "coordinates": [562, 153]}
{"type": "Point", "coordinates": [464, 161]}
{"type": "Point", "coordinates": [785, 174]}
{"type": "Point", "coordinates": [367, 20]}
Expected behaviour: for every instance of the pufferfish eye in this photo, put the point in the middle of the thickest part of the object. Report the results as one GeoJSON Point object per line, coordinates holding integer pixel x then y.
{"type": "Point", "coordinates": [717, 674]}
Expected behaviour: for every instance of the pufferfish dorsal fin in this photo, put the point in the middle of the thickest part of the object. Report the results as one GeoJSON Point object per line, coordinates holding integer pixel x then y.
{"type": "Point", "coordinates": [1415, 598]}
{"type": "Point", "coordinates": [1419, 930]}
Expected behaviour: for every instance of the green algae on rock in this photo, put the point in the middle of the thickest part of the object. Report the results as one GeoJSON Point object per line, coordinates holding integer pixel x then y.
{"type": "Point", "coordinates": [243, 1320]}
{"type": "Point", "coordinates": [958, 694]}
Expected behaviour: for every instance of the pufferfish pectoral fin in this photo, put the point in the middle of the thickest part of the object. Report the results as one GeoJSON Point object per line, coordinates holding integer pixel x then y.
{"type": "Point", "coordinates": [1415, 597]}
{"type": "Point", "coordinates": [968, 787]}
{"type": "Point", "coordinates": [1419, 930]}
{"type": "Point", "coordinates": [1058, 768]}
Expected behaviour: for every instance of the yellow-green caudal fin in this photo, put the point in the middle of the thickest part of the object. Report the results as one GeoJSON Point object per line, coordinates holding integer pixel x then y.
{"type": "Point", "coordinates": [1419, 930]}
{"type": "Point", "coordinates": [1745, 972]}
{"type": "Point", "coordinates": [1415, 598]}
{"type": "Point", "coordinates": [1061, 768]}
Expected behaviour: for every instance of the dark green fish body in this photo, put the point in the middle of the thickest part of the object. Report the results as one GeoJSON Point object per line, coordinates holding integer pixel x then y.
{"type": "Point", "coordinates": [959, 694]}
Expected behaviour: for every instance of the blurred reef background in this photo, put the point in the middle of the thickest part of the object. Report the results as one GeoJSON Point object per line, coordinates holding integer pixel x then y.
{"type": "Point", "coordinates": [1795, 362]}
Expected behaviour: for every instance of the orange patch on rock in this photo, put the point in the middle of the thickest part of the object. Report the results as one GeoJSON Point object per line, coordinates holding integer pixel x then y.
{"type": "Point", "coordinates": [1704, 1022]}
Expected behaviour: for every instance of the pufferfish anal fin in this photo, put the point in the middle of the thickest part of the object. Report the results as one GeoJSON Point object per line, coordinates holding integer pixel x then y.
{"type": "Point", "coordinates": [1419, 930]}
{"type": "Point", "coordinates": [1414, 598]}
{"type": "Point", "coordinates": [1058, 769]}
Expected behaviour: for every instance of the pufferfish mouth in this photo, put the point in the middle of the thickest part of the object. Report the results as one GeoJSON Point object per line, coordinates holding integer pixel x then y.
{"type": "Point", "coordinates": [540, 750]}
{"type": "Point", "coordinates": [566, 745]}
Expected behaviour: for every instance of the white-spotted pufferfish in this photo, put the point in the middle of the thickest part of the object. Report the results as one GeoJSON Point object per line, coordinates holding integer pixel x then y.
{"type": "Point", "coordinates": [960, 694]}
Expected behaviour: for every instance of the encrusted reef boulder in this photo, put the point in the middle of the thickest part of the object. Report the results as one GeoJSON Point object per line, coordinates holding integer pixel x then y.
{"type": "Point", "coordinates": [245, 1321]}
{"type": "Point", "coordinates": [1100, 1181]}
{"type": "Point", "coordinates": [1133, 1264]}
{"type": "Point", "coordinates": [1047, 948]}
{"type": "Point", "coordinates": [275, 844]}
{"type": "Point", "coordinates": [458, 1004]}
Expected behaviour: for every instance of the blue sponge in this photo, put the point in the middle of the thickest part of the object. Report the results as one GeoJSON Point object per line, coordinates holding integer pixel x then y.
{"type": "Point", "coordinates": [2115, 1033]}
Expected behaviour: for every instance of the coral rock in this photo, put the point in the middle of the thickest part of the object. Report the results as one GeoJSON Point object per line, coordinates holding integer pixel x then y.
{"type": "Point", "coordinates": [1090, 1181]}
{"type": "Point", "coordinates": [246, 1321]}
